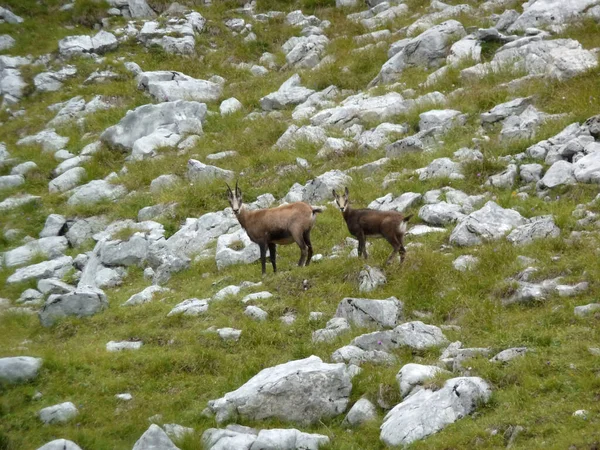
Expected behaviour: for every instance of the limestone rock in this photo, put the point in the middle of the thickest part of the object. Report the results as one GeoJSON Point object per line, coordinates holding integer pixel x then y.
{"type": "Point", "coordinates": [82, 302]}
{"type": "Point", "coordinates": [60, 413]}
{"type": "Point", "coordinates": [362, 411]}
{"type": "Point", "coordinates": [154, 438]}
{"type": "Point", "coordinates": [367, 313]}
{"type": "Point", "coordinates": [19, 369]}
{"type": "Point", "coordinates": [412, 375]}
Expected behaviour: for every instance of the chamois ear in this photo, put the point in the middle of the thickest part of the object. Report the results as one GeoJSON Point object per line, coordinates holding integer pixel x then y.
{"type": "Point", "coordinates": [346, 192]}
{"type": "Point", "coordinates": [229, 191]}
{"type": "Point", "coordinates": [238, 192]}
{"type": "Point", "coordinates": [334, 194]}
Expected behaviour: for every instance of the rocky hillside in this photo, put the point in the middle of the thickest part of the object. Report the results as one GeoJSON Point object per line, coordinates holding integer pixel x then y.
{"type": "Point", "coordinates": [133, 313]}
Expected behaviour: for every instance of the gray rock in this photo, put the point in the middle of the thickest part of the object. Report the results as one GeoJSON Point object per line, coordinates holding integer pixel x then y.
{"type": "Point", "coordinates": [60, 444]}
{"type": "Point", "coordinates": [132, 252]}
{"type": "Point", "coordinates": [157, 211]}
{"type": "Point", "coordinates": [505, 179]}
{"type": "Point", "coordinates": [353, 355]}
{"type": "Point", "coordinates": [154, 438]}
{"type": "Point", "coordinates": [163, 182]}
{"type": "Point", "coordinates": [229, 334]}
{"type": "Point", "coordinates": [230, 106]}
{"type": "Point", "coordinates": [49, 140]}
{"type": "Point", "coordinates": [540, 227]}
{"type": "Point", "coordinates": [24, 168]}
{"type": "Point", "coordinates": [244, 438]}
{"type": "Point", "coordinates": [256, 313]}
{"type": "Point", "coordinates": [412, 375]}
{"type": "Point", "coordinates": [180, 117]}
{"type": "Point", "coordinates": [11, 181]}
{"type": "Point", "coordinates": [190, 307]}
{"type": "Point", "coordinates": [9, 16]}
{"type": "Point", "coordinates": [18, 201]}
{"type": "Point", "coordinates": [320, 188]}
{"type": "Point", "coordinates": [52, 286]}
{"type": "Point", "coordinates": [225, 255]}
{"type": "Point", "coordinates": [441, 214]}
{"type": "Point", "coordinates": [6, 42]}
{"type": "Point", "coordinates": [109, 278]}
{"type": "Point", "coordinates": [176, 431]}
{"type": "Point", "coordinates": [304, 52]}
{"type": "Point", "coordinates": [488, 223]}
{"type": "Point", "coordinates": [257, 296]}
{"type": "Point", "coordinates": [101, 43]}
{"type": "Point", "coordinates": [505, 110]}
{"type": "Point", "coordinates": [415, 335]}
{"type": "Point", "coordinates": [145, 296]}
{"type": "Point", "coordinates": [198, 171]}
{"type": "Point", "coordinates": [531, 173]}
{"type": "Point", "coordinates": [168, 86]}
{"type": "Point", "coordinates": [147, 147]}
{"type": "Point", "coordinates": [428, 50]}
{"type": "Point", "coordinates": [370, 278]}
{"type": "Point", "coordinates": [427, 412]}
{"type": "Point", "coordinates": [83, 229]}
{"type": "Point", "coordinates": [367, 313]}
{"type": "Point", "coordinates": [139, 9]}
{"type": "Point", "coordinates": [68, 180]}
{"type": "Point", "coordinates": [83, 302]}
{"type": "Point", "coordinates": [441, 168]}
{"type": "Point", "coordinates": [60, 413]}
{"type": "Point", "coordinates": [362, 411]}
{"type": "Point", "coordinates": [510, 354]}
{"type": "Point", "coordinates": [587, 169]}
{"type": "Point", "coordinates": [30, 296]}
{"type": "Point", "coordinates": [54, 226]}
{"type": "Point", "coordinates": [332, 330]}
{"type": "Point", "coordinates": [465, 263]}
{"type": "Point", "coordinates": [289, 93]}
{"type": "Point", "coordinates": [303, 391]}
{"type": "Point", "coordinates": [441, 120]}
{"type": "Point", "coordinates": [50, 247]}
{"type": "Point", "coordinates": [53, 81]}
{"type": "Point", "coordinates": [114, 346]}
{"type": "Point", "coordinates": [295, 134]}
{"type": "Point", "coordinates": [96, 191]}
{"type": "Point", "coordinates": [19, 369]}
{"type": "Point", "coordinates": [543, 13]}
{"type": "Point", "coordinates": [586, 310]}
{"type": "Point", "coordinates": [400, 204]}
{"type": "Point", "coordinates": [55, 268]}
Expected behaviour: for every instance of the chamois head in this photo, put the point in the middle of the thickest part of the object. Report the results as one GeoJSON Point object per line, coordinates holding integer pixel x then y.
{"type": "Point", "coordinates": [235, 198]}
{"type": "Point", "coordinates": [342, 200]}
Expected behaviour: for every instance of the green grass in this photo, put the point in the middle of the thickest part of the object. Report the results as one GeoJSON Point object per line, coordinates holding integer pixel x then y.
{"type": "Point", "coordinates": [180, 367]}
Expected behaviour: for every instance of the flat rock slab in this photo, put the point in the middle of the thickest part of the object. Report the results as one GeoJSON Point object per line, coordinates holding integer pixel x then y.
{"type": "Point", "coordinates": [367, 313]}
{"type": "Point", "coordinates": [19, 369]}
{"type": "Point", "coordinates": [303, 391]}
{"type": "Point", "coordinates": [426, 412]}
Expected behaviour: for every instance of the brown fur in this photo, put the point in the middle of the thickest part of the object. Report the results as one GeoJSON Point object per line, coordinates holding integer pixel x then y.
{"type": "Point", "coordinates": [283, 225]}
{"type": "Point", "coordinates": [363, 223]}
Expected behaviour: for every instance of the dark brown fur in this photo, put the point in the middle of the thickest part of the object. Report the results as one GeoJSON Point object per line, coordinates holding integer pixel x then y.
{"type": "Point", "coordinates": [363, 223]}
{"type": "Point", "coordinates": [283, 225]}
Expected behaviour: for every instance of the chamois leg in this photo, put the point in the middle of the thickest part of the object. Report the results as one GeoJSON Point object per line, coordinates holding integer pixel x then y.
{"type": "Point", "coordinates": [362, 245]}
{"type": "Point", "coordinates": [263, 258]}
{"type": "Point", "coordinates": [299, 239]}
{"type": "Point", "coordinates": [402, 249]}
{"type": "Point", "coordinates": [273, 255]}
{"type": "Point", "coordinates": [396, 245]}
{"type": "Point", "coordinates": [306, 237]}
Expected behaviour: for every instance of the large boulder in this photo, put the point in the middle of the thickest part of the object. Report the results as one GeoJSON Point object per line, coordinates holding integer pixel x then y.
{"type": "Point", "coordinates": [181, 117]}
{"type": "Point", "coordinates": [364, 312]}
{"type": "Point", "coordinates": [488, 223]}
{"type": "Point", "coordinates": [427, 412]}
{"type": "Point", "coordinates": [18, 369]}
{"type": "Point", "coordinates": [541, 13]}
{"type": "Point", "coordinates": [83, 302]}
{"type": "Point", "coordinates": [428, 50]}
{"type": "Point", "coordinates": [168, 86]}
{"type": "Point", "coordinates": [303, 391]}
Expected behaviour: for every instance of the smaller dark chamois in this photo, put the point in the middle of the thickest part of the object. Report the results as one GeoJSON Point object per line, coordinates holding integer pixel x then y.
{"type": "Point", "coordinates": [282, 225]}
{"type": "Point", "coordinates": [363, 223]}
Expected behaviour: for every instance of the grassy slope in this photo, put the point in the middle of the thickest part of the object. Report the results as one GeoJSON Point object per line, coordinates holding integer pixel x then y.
{"type": "Point", "coordinates": [180, 367]}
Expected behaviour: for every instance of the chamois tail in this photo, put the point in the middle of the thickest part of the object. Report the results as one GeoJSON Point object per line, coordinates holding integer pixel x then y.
{"type": "Point", "coordinates": [317, 209]}
{"type": "Point", "coordinates": [404, 224]}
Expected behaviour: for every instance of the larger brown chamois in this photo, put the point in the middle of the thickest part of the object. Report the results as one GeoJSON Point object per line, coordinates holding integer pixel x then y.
{"type": "Point", "coordinates": [282, 225]}
{"type": "Point", "coordinates": [363, 223]}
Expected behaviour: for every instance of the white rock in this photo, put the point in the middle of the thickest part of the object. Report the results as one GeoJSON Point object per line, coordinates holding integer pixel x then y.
{"type": "Point", "coordinates": [230, 106]}
{"type": "Point", "coordinates": [198, 171]}
{"type": "Point", "coordinates": [586, 310]}
{"type": "Point", "coordinates": [154, 438]}
{"type": "Point", "coordinates": [332, 330]}
{"type": "Point", "coordinates": [509, 354]}
{"type": "Point", "coordinates": [117, 346]}
{"type": "Point", "coordinates": [362, 411]}
{"type": "Point", "coordinates": [229, 334]}
{"type": "Point", "coordinates": [190, 307]}
{"type": "Point", "coordinates": [366, 313]}
{"type": "Point", "coordinates": [427, 412]}
{"type": "Point", "coordinates": [60, 444]}
{"type": "Point", "coordinates": [256, 313]}
{"type": "Point", "coordinates": [412, 375]}
{"type": "Point", "coordinates": [60, 413]}
{"type": "Point", "coordinates": [168, 86]}
{"type": "Point", "coordinates": [19, 369]}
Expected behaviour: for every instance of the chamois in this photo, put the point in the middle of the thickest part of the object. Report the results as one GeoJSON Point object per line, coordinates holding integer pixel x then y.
{"type": "Point", "coordinates": [282, 225]}
{"type": "Point", "coordinates": [363, 223]}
